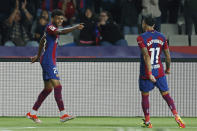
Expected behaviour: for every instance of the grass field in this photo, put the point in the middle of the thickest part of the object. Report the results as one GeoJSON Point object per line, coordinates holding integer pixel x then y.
{"type": "Point", "coordinates": [94, 124]}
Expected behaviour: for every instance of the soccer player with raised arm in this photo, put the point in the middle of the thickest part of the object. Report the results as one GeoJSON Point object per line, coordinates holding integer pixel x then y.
{"type": "Point", "coordinates": [51, 78]}
{"type": "Point", "coordinates": [152, 74]}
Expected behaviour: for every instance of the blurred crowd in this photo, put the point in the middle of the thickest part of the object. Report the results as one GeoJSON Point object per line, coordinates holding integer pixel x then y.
{"type": "Point", "coordinates": [22, 22]}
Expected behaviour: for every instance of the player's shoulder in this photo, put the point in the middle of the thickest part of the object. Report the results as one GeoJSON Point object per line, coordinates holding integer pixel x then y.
{"type": "Point", "coordinates": [160, 34]}
{"type": "Point", "coordinates": [143, 35]}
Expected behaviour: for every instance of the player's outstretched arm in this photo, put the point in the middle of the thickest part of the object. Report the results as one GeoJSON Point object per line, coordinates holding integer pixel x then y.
{"type": "Point", "coordinates": [42, 42]}
{"type": "Point", "coordinates": [70, 29]}
{"type": "Point", "coordinates": [148, 64]}
{"type": "Point", "coordinates": [168, 60]}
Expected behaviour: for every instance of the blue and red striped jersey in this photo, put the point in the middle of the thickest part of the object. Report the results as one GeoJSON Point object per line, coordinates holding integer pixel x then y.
{"type": "Point", "coordinates": [155, 42]}
{"type": "Point", "coordinates": [49, 55]}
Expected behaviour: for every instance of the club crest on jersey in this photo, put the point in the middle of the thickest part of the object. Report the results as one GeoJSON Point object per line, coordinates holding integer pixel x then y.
{"type": "Point", "coordinates": [155, 41]}
{"type": "Point", "coordinates": [52, 28]}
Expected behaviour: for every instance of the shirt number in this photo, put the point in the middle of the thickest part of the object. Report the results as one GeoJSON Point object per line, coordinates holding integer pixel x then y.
{"type": "Point", "coordinates": [55, 70]}
{"type": "Point", "coordinates": [154, 51]}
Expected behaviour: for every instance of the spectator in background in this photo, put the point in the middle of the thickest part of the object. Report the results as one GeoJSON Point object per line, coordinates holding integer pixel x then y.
{"type": "Point", "coordinates": [46, 15]}
{"type": "Point", "coordinates": [190, 12]}
{"type": "Point", "coordinates": [41, 25]}
{"type": "Point", "coordinates": [18, 27]}
{"type": "Point", "coordinates": [97, 6]}
{"type": "Point", "coordinates": [169, 10]}
{"type": "Point", "coordinates": [82, 5]}
{"type": "Point", "coordinates": [49, 5]}
{"type": "Point", "coordinates": [36, 24]}
{"type": "Point", "coordinates": [68, 7]}
{"type": "Point", "coordinates": [87, 36]}
{"type": "Point", "coordinates": [112, 6]}
{"type": "Point", "coordinates": [129, 16]}
{"type": "Point", "coordinates": [110, 31]}
{"type": "Point", "coordinates": [5, 10]}
{"type": "Point", "coordinates": [151, 8]}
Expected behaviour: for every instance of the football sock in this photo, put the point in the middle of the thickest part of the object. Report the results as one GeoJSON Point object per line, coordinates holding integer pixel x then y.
{"type": "Point", "coordinates": [43, 95]}
{"type": "Point", "coordinates": [62, 113]}
{"type": "Point", "coordinates": [145, 106]}
{"type": "Point", "coordinates": [170, 103]}
{"type": "Point", "coordinates": [58, 97]}
{"type": "Point", "coordinates": [33, 112]}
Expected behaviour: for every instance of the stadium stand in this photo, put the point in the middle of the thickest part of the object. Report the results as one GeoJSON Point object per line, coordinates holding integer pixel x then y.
{"type": "Point", "coordinates": [178, 40]}
{"type": "Point", "coordinates": [194, 40]}
{"type": "Point", "coordinates": [169, 29]}
{"type": "Point", "coordinates": [65, 40]}
{"type": "Point", "coordinates": [131, 39]}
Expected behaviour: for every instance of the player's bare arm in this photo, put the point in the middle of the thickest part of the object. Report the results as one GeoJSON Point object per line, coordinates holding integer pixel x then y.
{"type": "Point", "coordinates": [168, 60]}
{"type": "Point", "coordinates": [68, 30]}
{"type": "Point", "coordinates": [148, 64]}
{"type": "Point", "coordinates": [42, 41]}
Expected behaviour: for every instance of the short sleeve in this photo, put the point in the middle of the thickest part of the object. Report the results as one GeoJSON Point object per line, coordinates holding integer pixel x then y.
{"type": "Point", "coordinates": [166, 45]}
{"type": "Point", "coordinates": [51, 29]}
{"type": "Point", "coordinates": [140, 42]}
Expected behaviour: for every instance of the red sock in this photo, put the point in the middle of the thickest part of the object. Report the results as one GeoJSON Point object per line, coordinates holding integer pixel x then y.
{"type": "Point", "coordinates": [58, 97]}
{"type": "Point", "coordinates": [43, 95]}
{"type": "Point", "coordinates": [170, 103]}
{"type": "Point", "coordinates": [145, 106]}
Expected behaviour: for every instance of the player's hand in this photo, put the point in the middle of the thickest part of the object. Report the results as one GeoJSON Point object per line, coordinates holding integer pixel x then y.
{"type": "Point", "coordinates": [34, 59]}
{"type": "Point", "coordinates": [152, 78]}
{"type": "Point", "coordinates": [167, 71]}
{"type": "Point", "coordinates": [80, 26]}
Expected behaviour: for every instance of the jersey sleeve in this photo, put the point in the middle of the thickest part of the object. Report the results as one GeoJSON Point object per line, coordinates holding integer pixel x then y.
{"type": "Point", "coordinates": [51, 29]}
{"type": "Point", "coordinates": [165, 44]}
{"type": "Point", "coordinates": [140, 42]}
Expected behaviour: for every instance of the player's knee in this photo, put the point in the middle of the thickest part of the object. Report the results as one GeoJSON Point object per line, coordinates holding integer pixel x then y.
{"type": "Point", "coordinates": [145, 93]}
{"type": "Point", "coordinates": [55, 83]}
{"type": "Point", "coordinates": [163, 93]}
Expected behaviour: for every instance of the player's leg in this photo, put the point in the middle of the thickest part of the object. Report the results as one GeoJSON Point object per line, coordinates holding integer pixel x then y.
{"type": "Point", "coordinates": [42, 96]}
{"type": "Point", "coordinates": [145, 87]}
{"type": "Point", "coordinates": [166, 96]}
{"type": "Point", "coordinates": [163, 87]}
{"type": "Point", "coordinates": [58, 97]}
{"type": "Point", "coordinates": [145, 106]}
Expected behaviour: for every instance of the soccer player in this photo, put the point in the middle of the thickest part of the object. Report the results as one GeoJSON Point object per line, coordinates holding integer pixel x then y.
{"type": "Point", "coordinates": [152, 74]}
{"type": "Point", "coordinates": [48, 63]}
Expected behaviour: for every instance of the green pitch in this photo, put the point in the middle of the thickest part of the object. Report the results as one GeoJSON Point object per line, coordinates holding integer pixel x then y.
{"type": "Point", "coordinates": [94, 124]}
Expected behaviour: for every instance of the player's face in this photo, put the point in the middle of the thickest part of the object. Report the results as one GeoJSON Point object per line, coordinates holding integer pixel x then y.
{"type": "Point", "coordinates": [58, 20]}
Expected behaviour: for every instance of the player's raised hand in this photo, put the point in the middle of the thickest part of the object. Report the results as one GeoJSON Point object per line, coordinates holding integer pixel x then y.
{"type": "Point", "coordinates": [152, 78]}
{"type": "Point", "coordinates": [167, 71]}
{"type": "Point", "coordinates": [34, 59]}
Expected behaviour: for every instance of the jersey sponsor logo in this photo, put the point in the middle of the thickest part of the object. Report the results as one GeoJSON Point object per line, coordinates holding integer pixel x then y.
{"type": "Point", "coordinates": [52, 28]}
{"type": "Point", "coordinates": [155, 41]}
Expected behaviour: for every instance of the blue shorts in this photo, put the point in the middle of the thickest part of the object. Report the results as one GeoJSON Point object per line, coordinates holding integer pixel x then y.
{"type": "Point", "coordinates": [49, 72]}
{"type": "Point", "coordinates": [146, 85]}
